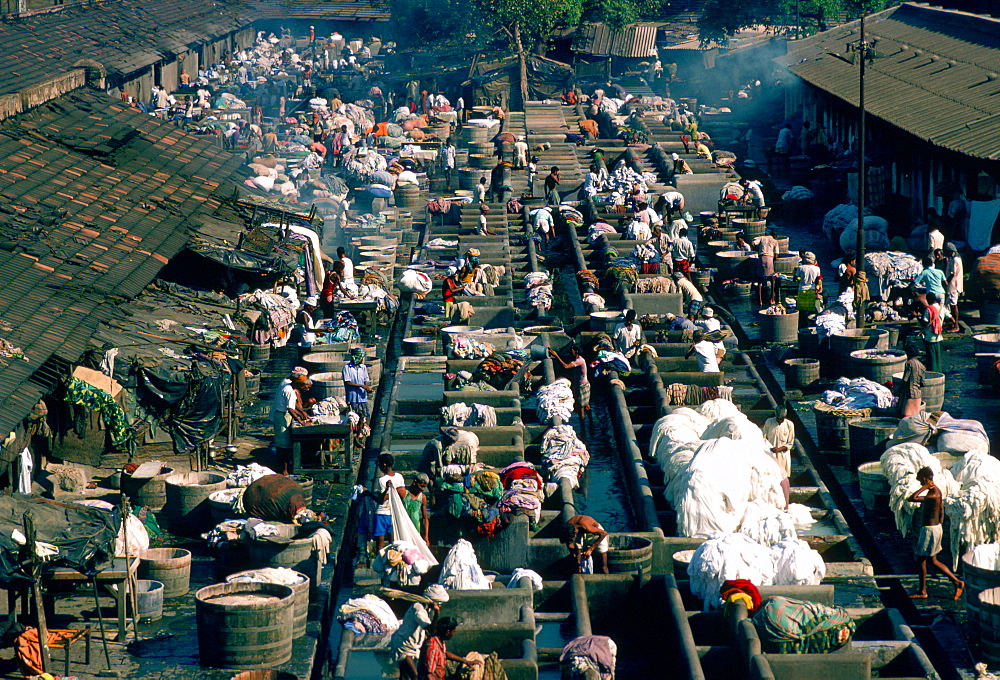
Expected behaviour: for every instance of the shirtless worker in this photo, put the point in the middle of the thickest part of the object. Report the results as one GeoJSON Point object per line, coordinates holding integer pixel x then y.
{"type": "Point", "coordinates": [929, 540]}
{"type": "Point", "coordinates": [576, 530]}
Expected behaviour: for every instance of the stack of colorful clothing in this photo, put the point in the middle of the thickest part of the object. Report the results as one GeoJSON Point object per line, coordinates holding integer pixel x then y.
{"type": "Point", "coordinates": [790, 626]}
{"type": "Point", "coordinates": [367, 615]}
{"type": "Point", "coordinates": [564, 456]}
{"type": "Point", "coordinates": [499, 368]}
{"type": "Point", "coordinates": [464, 347]}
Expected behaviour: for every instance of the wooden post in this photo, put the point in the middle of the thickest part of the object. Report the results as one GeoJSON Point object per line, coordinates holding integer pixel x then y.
{"type": "Point", "coordinates": [131, 580]}
{"type": "Point", "coordinates": [36, 586]}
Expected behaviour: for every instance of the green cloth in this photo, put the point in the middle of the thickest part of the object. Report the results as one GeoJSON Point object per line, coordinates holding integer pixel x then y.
{"type": "Point", "coordinates": [450, 497]}
{"type": "Point", "coordinates": [788, 626]}
{"type": "Point", "coordinates": [83, 394]}
{"type": "Point", "coordinates": [412, 505]}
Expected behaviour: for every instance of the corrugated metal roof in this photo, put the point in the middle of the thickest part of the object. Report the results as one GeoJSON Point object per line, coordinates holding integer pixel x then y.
{"type": "Point", "coordinates": [635, 41]}
{"type": "Point", "coordinates": [938, 79]}
{"type": "Point", "coordinates": [94, 199]}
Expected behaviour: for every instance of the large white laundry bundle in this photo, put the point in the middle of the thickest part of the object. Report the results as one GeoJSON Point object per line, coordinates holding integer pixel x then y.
{"type": "Point", "coordinates": [986, 556]}
{"type": "Point", "coordinates": [796, 564]}
{"type": "Point", "coordinates": [767, 524]}
{"type": "Point", "coordinates": [723, 477]}
{"type": "Point", "coordinates": [839, 217]}
{"type": "Point", "coordinates": [876, 234]}
{"type": "Point", "coordinates": [900, 464]}
{"type": "Point", "coordinates": [683, 423]}
{"type": "Point", "coordinates": [413, 281]}
{"type": "Point", "coordinates": [714, 490]}
{"type": "Point", "coordinates": [717, 409]}
{"type": "Point", "coordinates": [735, 427]}
{"type": "Point", "coordinates": [726, 557]}
{"type": "Point", "coordinates": [974, 509]}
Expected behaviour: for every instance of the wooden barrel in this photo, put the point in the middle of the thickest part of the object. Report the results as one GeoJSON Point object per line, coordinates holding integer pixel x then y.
{"type": "Point", "coordinates": [300, 608]}
{"type": "Point", "coordinates": [264, 675]}
{"type": "Point", "coordinates": [785, 264]}
{"type": "Point", "coordinates": [778, 327]}
{"type": "Point", "coordinates": [853, 339]}
{"type": "Point", "coordinates": [730, 261]}
{"type": "Point", "coordinates": [738, 289]}
{"type": "Point", "coordinates": [297, 555]}
{"type": "Point", "coordinates": [868, 438]}
{"type": "Point", "coordinates": [831, 425]}
{"type": "Point", "coordinates": [419, 346]}
{"type": "Point", "coordinates": [986, 343]}
{"type": "Point", "coordinates": [681, 561]}
{"type": "Point", "coordinates": [878, 365]}
{"type": "Point", "coordinates": [328, 384]}
{"type": "Point", "coordinates": [752, 228]}
{"type": "Point", "coordinates": [702, 278]}
{"type": "Point", "coordinates": [989, 624]}
{"type": "Point", "coordinates": [479, 160]}
{"type": "Point", "coordinates": [148, 492]}
{"type": "Point", "coordinates": [169, 566]}
{"type": "Point", "coordinates": [260, 353]}
{"type": "Point", "coordinates": [468, 178]}
{"type": "Point", "coordinates": [808, 343]}
{"type": "Point", "coordinates": [187, 505]}
{"type": "Point", "coordinates": [874, 486]}
{"type": "Point", "coordinates": [977, 580]}
{"type": "Point", "coordinates": [627, 554]}
{"type": "Point", "coordinates": [149, 600]}
{"type": "Point", "coordinates": [782, 243]}
{"type": "Point", "coordinates": [408, 197]}
{"type": "Point", "coordinates": [475, 133]}
{"type": "Point", "coordinates": [933, 391]}
{"type": "Point", "coordinates": [893, 331]}
{"type": "Point", "coordinates": [245, 625]}
{"type": "Point", "coordinates": [717, 246]}
{"type": "Point", "coordinates": [801, 373]}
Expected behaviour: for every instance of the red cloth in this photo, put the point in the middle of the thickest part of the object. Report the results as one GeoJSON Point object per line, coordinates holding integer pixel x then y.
{"type": "Point", "coordinates": [741, 585]}
{"type": "Point", "coordinates": [521, 473]}
{"type": "Point", "coordinates": [433, 660]}
{"type": "Point", "coordinates": [274, 498]}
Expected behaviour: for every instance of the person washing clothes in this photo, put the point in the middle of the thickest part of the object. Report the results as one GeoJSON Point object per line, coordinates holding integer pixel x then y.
{"type": "Point", "coordinates": [706, 352]}
{"type": "Point", "coordinates": [578, 380]}
{"type": "Point", "coordinates": [912, 387]}
{"type": "Point", "coordinates": [575, 535]}
{"type": "Point", "coordinates": [628, 335]}
{"type": "Point", "coordinates": [357, 383]}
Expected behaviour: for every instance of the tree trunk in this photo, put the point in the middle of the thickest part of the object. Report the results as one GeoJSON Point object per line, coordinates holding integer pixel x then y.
{"type": "Point", "coordinates": [522, 65]}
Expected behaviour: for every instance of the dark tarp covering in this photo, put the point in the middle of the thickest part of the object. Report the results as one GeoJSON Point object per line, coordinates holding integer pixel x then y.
{"type": "Point", "coordinates": [547, 79]}
{"type": "Point", "coordinates": [190, 403]}
{"type": "Point", "coordinates": [274, 263]}
{"type": "Point", "coordinates": [85, 536]}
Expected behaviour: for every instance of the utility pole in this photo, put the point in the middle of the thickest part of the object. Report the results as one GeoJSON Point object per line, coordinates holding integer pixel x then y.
{"type": "Point", "coordinates": [865, 52]}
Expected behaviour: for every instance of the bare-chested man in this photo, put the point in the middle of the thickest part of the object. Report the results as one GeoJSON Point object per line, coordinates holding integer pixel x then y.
{"type": "Point", "coordinates": [577, 529]}
{"type": "Point", "coordinates": [929, 540]}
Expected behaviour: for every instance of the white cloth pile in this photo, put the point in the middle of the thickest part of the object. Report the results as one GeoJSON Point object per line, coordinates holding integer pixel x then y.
{"type": "Point", "coordinates": [595, 301]}
{"type": "Point", "coordinates": [564, 456]}
{"type": "Point", "coordinates": [280, 575]}
{"type": "Point", "coordinates": [986, 556]}
{"type": "Point", "coordinates": [876, 234]}
{"type": "Point", "coordinates": [890, 269]}
{"type": "Point", "coordinates": [837, 218]}
{"type": "Point", "coordinates": [134, 535]}
{"type": "Point", "coordinates": [380, 618]}
{"type": "Point", "coordinates": [797, 193]}
{"type": "Point", "coordinates": [623, 177]}
{"type": "Point", "coordinates": [858, 393]}
{"type": "Point", "coordinates": [715, 463]}
{"type": "Point", "coordinates": [515, 578]}
{"type": "Point", "coordinates": [245, 475]}
{"type": "Point", "coordinates": [413, 281]}
{"type": "Point", "coordinates": [555, 399]}
{"type": "Point", "coordinates": [460, 569]}
{"type": "Point", "coordinates": [333, 411]}
{"type": "Point", "coordinates": [726, 556]}
{"type": "Point", "coordinates": [974, 509]}
{"type": "Point", "coordinates": [468, 415]}
{"type": "Point", "coordinates": [830, 322]}
{"type": "Point", "coordinates": [900, 464]}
